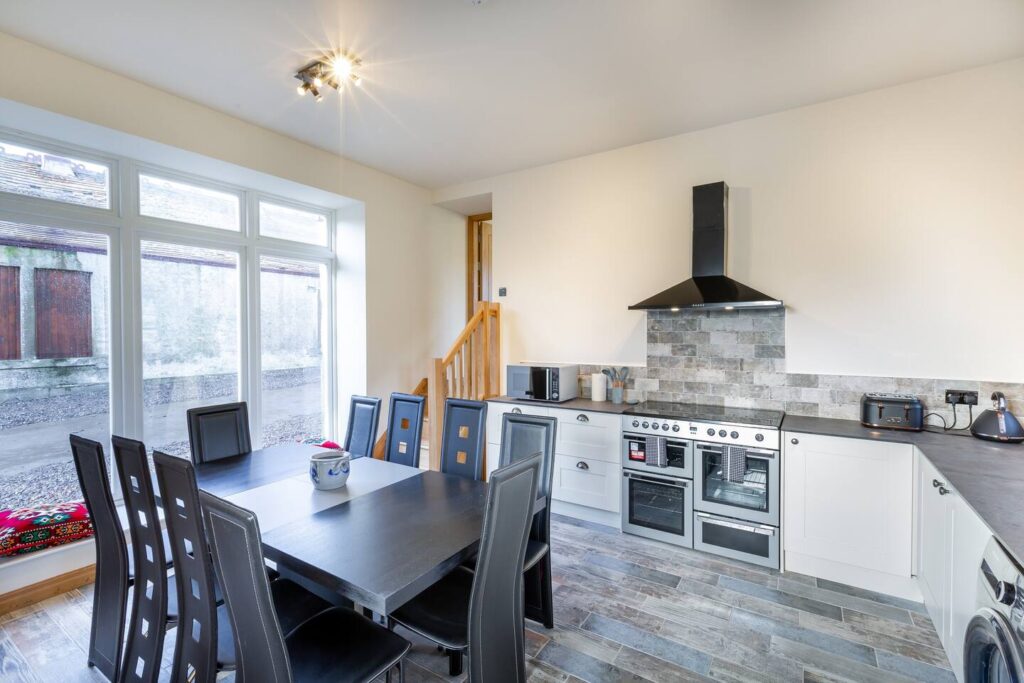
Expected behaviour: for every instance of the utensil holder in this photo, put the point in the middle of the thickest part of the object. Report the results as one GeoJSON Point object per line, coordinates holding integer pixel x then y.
{"type": "Point", "coordinates": [617, 391]}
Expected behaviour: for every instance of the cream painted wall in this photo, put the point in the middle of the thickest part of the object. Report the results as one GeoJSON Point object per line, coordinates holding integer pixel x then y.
{"type": "Point", "coordinates": [891, 223]}
{"type": "Point", "coordinates": [400, 218]}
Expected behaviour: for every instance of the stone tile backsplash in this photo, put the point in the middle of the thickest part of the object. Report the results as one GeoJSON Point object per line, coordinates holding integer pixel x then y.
{"type": "Point", "coordinates": [738, 358]}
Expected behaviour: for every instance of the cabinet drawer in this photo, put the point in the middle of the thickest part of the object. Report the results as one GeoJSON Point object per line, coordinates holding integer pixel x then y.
{"type": "Point", "coordinates": [496, 410]}
{"type": "Point", "coordinates": [588, 435]}
{"type": "Point", "coordinates": [589, 482]}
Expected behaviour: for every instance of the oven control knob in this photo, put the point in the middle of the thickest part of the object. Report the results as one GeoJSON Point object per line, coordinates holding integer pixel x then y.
{"type": "Point", "coordinates": [711, 432]}
{"type": "Point", "coordinates": [636, 423]}
{"type": "Point", "coordinates": [1005, 593]}
{"type": "Point", "coordinates": [675, 428]}
{"type": "Point", "coordinates": [722, 433]}
{"type": "Point", "coordinates": [758, 437]}
{"type": "Point", "coordinates": [735, 435]}
{"type": "Point", "coordinates": [645, 425]}
{"type": "Point", "coordinates": [665, 426]}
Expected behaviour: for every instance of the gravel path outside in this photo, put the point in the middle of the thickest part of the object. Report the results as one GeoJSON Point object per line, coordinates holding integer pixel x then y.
{"type": "Point", "coordinates": [58, 482]}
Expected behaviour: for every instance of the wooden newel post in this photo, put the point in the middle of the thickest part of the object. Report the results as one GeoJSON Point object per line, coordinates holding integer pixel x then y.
{"type": "Point", "coordinates": [437, 391]}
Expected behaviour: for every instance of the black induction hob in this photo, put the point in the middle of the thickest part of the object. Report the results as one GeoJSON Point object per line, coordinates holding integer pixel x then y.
{"type": "Point", "coordinates": [771, 419]}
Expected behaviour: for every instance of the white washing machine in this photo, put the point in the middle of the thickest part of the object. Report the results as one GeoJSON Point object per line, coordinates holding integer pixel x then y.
{"type": "Point", "coordinates": [994, 644]}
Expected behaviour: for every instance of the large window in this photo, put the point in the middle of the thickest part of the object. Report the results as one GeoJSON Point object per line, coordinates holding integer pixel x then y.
{"type": "Point", "coordinates": [189, 337]}
{"type": "Point", "coordinates": [54, 357]}
{"type": "Point", "coordinates": [292, 316]}
{"type": "Point", "coordinates": [129, 294]}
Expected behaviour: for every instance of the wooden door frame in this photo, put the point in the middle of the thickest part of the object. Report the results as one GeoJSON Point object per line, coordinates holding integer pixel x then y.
{"type": "Point", "coordinates": [471, 257]}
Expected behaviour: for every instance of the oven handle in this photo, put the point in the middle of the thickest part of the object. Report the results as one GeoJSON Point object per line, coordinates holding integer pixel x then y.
{"type": "Point", "coordinates": [673, 483]}
{"type": "Point", "coordinates": [763, 530]}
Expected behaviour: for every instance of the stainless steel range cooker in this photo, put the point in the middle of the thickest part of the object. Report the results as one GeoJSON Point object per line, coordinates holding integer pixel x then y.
{"type": "Point", "coordinates": [704, 477]}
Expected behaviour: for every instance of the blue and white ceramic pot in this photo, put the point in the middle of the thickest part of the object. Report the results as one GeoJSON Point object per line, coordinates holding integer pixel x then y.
{"type": "Point", "coordinates": [329, 469]}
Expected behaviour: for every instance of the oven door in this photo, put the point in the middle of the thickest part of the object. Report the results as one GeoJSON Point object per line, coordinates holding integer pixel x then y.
{"type": "Point", "coordinates": [754, 543]}
{"type": "Point", "coordinates": [657, 507]}
{"type": "Point", "coordinates": [738, 482]}
{"type": "Point", "coordinates": [676, 454]}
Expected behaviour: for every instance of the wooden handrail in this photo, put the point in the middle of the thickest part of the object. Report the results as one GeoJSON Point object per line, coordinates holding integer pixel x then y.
{"type": "Point", "coordinates": [469, 370]}
{"type": "Point", "coordinates": [378, 447]}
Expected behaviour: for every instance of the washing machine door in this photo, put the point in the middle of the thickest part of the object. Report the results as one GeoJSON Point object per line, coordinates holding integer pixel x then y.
{"type": "Point", "coordinates": [992, 651]}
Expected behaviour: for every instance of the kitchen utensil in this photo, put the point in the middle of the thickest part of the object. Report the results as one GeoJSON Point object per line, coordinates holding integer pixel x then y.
{"type": "Point", "coordinates": [329, 469]}
{"type": "Point", "coordinates": [623, 374]}
{"type": "Point", "coordinates": [998, 424]}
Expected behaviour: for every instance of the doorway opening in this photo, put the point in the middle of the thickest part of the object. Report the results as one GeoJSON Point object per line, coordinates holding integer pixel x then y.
{"type": "Point", "coordinates": [478, 261]}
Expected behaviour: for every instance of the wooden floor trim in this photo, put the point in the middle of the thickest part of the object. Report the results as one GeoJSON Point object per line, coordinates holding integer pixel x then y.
{"type": "Point", "coordinates": [37, 592]}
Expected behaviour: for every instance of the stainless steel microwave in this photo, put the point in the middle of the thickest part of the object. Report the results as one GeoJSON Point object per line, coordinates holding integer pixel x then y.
{"type": "Point", "coordinates": [543, 382]}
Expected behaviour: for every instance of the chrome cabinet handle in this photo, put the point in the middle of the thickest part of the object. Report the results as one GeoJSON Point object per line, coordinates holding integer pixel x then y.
{"type": "Point", "coordinates": [582, 418]}
{"type": "Point", "coordinates": [517, 411]}
{"type": "Point", "coordinates": [794, 441]}
{"type": "Point", "coordinates": [582, 465]}
{"type": "Point", "coordinates": [936, 483]}
{"type": "Point", "coordinates": [943, 490]}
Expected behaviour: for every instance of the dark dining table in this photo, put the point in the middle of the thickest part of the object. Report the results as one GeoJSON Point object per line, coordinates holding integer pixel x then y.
{"type": "Point", "coordinates": [388, 534]}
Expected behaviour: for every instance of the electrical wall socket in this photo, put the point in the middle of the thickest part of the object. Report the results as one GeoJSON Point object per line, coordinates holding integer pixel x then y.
{"type": "Point", "coordinates": [959, 397]}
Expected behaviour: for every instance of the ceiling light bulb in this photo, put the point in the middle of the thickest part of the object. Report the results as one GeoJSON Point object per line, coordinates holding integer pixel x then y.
{"type": "Point", "coordinates": [357, 80]}
{"type": "Point", "coordinates": [301, 89]}
{"type": "Point", "coordinates": [342, 66]}
{"type": "Point", "coordinates": [317, 82]}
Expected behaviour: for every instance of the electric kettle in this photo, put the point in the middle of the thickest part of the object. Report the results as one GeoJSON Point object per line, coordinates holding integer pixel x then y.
{"type": "Point", "coordinates": [998, 424]}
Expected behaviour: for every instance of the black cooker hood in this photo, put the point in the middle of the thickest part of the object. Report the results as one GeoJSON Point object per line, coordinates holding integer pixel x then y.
{"type": "Point", "coordinates": [709, 287]}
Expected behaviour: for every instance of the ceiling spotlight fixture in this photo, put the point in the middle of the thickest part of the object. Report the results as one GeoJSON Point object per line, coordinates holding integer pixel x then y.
{"type": "Point", "coordinates": [333, 70]}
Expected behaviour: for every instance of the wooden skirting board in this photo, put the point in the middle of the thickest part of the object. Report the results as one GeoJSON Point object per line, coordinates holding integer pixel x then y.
{"type": "Point", "coordinates": [37, 592]}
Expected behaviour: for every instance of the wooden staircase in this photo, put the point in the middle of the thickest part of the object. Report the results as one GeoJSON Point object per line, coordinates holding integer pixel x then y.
{"type": "Point", "coordinates": [469, 370]}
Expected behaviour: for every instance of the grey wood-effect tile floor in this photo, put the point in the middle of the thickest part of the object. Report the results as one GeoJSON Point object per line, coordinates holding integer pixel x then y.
{"type": "Point", "coordinates": [627, 609]}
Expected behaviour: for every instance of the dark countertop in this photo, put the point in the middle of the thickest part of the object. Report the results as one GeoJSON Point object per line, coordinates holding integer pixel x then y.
{"type": "Point", "coordinates": [988, 475]}
{"type": "Point", "coordinates": [574, 404]}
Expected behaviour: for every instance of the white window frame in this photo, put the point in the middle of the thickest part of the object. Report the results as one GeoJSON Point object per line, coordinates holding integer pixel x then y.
{"type": "Point", "coordinates": [126, 228]}
{"type": "Point", "coordinates": [16, 201]}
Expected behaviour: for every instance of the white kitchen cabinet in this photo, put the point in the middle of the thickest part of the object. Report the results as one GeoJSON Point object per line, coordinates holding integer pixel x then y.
{"type": "Point", "coordinates": [587, 482]}
{"type": "Point", "coordinates": [848, 511]}
{"type": "Point", "coordinates": [952, 539]}
{"type": "Point", "coordinates": [587, 477]}
{"type": "Point", "coordinates": [935, 539]}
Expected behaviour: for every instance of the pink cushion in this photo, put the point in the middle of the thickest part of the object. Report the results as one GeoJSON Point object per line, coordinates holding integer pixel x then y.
{"type": "Point", "coordinates": [25, 530]}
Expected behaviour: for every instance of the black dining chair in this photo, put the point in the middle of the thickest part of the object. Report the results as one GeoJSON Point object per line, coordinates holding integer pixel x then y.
{"type": "Point", "coordinates": [154, 608]}
{"type": "Point", "coordinates": [363, 418]}
{"type": "Point", "coordinates": [204, 642]}
{"type": "Point", "coordinates": [220, 431]}
{"type": "Point", "coordinates": [335, 644]}
{"type": "Point", "coordinates": [405, 429]}
{"type": "Point", "coordinates": [481, 612]}
{"type": "Point", "coordinates": [462, 439]}
{"type": "Point", "coordinates": [522, 436]}
{"type": "Point", "coordinates": [110, 594]}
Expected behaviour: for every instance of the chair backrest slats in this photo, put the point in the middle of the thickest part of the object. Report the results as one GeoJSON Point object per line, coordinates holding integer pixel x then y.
{"type": "Point", "coordinates": [363, 419]}
{"type": "Point", "coordinates": [195, 645]}
{"type": "Point", "coordinates": [496, 639]}
{"type": "Point", "coordinates": [145, 643]}
{"type": "Point", "coordinates": [405, 429]}
{"type": "Point", "coordinates": [462, 440]}
{"type": "Point", "coordinates": [234, 535]}
{"type": "Point", "coordinates": [110, 594]}
{"type": "Point", "coordinates": [220, 431]}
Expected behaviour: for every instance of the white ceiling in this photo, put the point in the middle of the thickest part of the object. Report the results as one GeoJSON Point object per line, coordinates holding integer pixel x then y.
{"type": "Point", "coordinates": [456, 91]}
